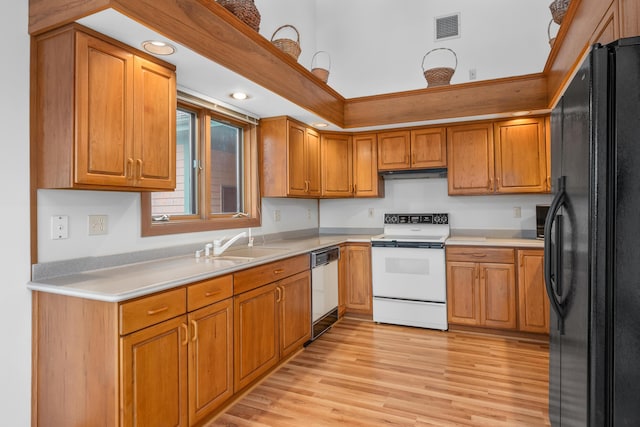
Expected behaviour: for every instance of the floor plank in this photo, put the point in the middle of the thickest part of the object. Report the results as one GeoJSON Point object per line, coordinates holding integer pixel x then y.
{"type": "Point", "coordinates": [366, 374]}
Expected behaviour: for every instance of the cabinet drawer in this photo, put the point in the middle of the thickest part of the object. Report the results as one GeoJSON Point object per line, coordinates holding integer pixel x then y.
{"type": "Point", "coordinates": [480, 254]}
{"type": "Point", "coordinates": [150, 310]}
{"type": "Point", "coordinates": [254, 277]}
{"type": "Point", "coordinates": [209, 291]}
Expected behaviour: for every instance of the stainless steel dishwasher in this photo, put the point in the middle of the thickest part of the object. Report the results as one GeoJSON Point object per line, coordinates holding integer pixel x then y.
{"type": "Point", "coordinates": [324, 289]}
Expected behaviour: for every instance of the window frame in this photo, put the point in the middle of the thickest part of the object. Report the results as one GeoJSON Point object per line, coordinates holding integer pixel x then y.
{"type": "Point", "coordinates": [204, 220]}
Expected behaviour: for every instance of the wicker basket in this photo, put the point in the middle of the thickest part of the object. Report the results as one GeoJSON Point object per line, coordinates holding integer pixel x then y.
{"type": "Point", "coordinates": [288, 46]}
{"type": "Point", "coordinates": [320, 71]}
{"type": "Point", "coordinates": [245, 10]}
{"type": "Point", "coordinates": [558, 10]}
{"type": "Point", "coordinates": [439, 76]}
{"type": "Point", "coordinates": [552, 40]}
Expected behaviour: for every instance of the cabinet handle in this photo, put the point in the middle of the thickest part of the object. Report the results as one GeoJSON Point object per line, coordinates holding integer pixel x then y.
{"type": "Point", "coordinates": [413, 159]}
{"type": "Point", "coordinates": [129, 171]}
{"type": "Point", "coordinates": [490, 183]}
{"type": "Point", "coordinates": [406, 158]}
{"type": "Point", "coordinates": [139, 169]}
{"type": "Point", "coordinates": [279, 292]}
{"type": "Point", "coordinates": [278, 271]}
{"type": "Point", "coordinates": [548, 183]}
{"type": "Point", "coordinates": [194, 324]}
{"type": "Point", "coordinates": [186, 333]}
{"type": "Point", "coordinates": [157, 310]}
{"type": "Point", "coordinates": [306, 186]}
{"type": "Point", "coordinates": [212, 293]}
{"type": "Point", "coordinates": [355, 188]}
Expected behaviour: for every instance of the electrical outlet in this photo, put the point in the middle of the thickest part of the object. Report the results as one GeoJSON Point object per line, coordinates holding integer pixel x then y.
{"type": "Point", "coordinates": [276, 215]}
{"type": "Point", "coordinates": [371, 212]}
{"type": "Point", "coordinates": [59, 227]}
{"type": "Point", "coordinates": [97, 225]}
{"type": "Point", "coordinates": [472, 74]}
{"type": "Point", "coordinates": [517, 212]}
{"type": "Point", "coordinates": [308, 213]}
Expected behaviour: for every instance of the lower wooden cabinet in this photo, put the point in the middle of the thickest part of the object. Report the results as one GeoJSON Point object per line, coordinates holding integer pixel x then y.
{"type": "Point", "coordinates": [481, 293]}
{"type": "Point", "coordinates": [270, 322]}
{"type": "Point", "coordinates": [356, 289]}
{"type": "Point", "coordinates": [486, 288]}
{"type": "Point", "coordinates": [533, 302]}
{"type": "Point", "coordinates": [154, 375]}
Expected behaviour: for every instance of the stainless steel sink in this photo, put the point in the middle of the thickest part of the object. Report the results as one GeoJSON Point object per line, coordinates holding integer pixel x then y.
{"type": "Point", "coordinates": [249, 253]}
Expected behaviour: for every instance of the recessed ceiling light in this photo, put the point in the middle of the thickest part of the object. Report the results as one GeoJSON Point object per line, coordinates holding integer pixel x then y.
{"type": "Point", "coordinates": [158, 48]}
{"type": "Point", "coordinates": [520, 113]}
{"type": "Point", "coordinates": [239, 96]}
{"type": "Point", "coordinates": [320, 125]}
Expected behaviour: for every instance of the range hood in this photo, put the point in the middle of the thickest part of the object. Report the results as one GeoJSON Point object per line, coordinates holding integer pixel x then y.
{"type": "Point", "coordinates": [415, 174]}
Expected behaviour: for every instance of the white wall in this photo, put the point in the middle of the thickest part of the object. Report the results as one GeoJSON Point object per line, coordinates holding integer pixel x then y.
{"type": "Point", "coordinates": [15, 305]}
{"type": "Point", "coordinates": [430, 196]}
{"type": "Point", "coordinates": [377, 46]}
{"type": "Point", "coordinates": [123, 211]}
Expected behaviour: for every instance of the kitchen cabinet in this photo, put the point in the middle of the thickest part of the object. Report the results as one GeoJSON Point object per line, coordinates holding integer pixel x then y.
{"type": "Point", "coordinates": [272, 316]}
{"type": "Point", "coordinates": [342, 280]}
{"type": "Point", "coordinates": [533, 303]}
{"type": "Point", "coordinates": [358, 290]}
{"type": "Point", "coordinates": [337, 165]}
{"type": "Point", "coordinates": [501, 157]}
{"type": "Point", "coordinates": [416, 149]}
{"type": "Point", "coordinates": [366, 180]}
{"type": "Point", "coordinates": [104, 114]}
{"type": "Point", "coordinates": [481, 287]}
{"type": "Point", "coordinates": [290, 154]}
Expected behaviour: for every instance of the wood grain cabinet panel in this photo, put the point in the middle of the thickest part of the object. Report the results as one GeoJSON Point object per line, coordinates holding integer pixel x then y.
{"type": "Point", "coordinates": [210, 359]}
{"type": "Point", "coordinates": [104, 115]}
{"type": "Point", "coordinates": [470, 162]}
{"type": "Point", "coordinates": [366, 180]}
{"type": "Point", "coordinates": [394, 150]}
{"type": "Point", "coordinates": [520, 156]}
{"type": "Point", "coordinates": [154, 375]}
{"type": "Point", "coordinates": [359, 298]}
{"type": "Point", "coordinates": [533, 303]}
{"type": "Point", "coordinates": [295, 312]}
{"type": "Point", "coordinates": [481, 287]}
{"type": "Point", "coordinates": [337, 165]}
{"type": "Point", "coordinates": [429, 148]}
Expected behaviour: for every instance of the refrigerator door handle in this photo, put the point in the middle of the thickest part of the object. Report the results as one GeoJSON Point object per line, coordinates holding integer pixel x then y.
{"type": "Point", "coordinates": [553, 266]}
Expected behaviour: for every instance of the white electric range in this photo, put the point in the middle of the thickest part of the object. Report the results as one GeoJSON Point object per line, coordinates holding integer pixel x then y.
{"type": "Point", "coordinates": [409, 272]}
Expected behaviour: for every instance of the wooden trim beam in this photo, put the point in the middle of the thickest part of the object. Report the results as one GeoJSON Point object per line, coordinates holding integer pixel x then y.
{"type": "Point", "coordinates": [462, 100]}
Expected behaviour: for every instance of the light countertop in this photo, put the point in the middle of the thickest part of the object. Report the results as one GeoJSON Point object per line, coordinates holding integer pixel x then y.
{"type": "Point", "coordinates": [462, 240]}
{"type": "Point", "coordinates": [129, 281]}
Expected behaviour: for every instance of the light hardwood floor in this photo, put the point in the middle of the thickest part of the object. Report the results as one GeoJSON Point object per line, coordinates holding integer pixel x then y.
{"type": "Point", "coordinates": [366, 374]}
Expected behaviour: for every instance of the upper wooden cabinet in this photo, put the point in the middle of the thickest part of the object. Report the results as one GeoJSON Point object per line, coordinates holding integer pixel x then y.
{"type": "Point", "coordinates": [367, 182]}
{"type": "Point", "coordinates": [337, 165]}
{"type": "Point", "coordinates": [290, 154]}
{"type": "Point", "coordinates": [104, 114]}
{"type": "Point", "coordinates": [418, 149]}
{"type": "Point", "coordinates": [498, 157]}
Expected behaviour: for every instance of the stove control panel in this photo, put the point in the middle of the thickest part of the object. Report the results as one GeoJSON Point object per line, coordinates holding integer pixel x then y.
{"type": "Point", "coordinates": [439, 218]}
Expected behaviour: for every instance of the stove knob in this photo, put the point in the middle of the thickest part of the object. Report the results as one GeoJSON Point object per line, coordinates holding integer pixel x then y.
{"type": "Point", "coordinates": [391, 219]}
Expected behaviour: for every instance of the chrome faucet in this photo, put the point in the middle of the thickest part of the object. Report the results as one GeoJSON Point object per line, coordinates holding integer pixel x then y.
{"type": "Point", "coordinates": [219, 248]}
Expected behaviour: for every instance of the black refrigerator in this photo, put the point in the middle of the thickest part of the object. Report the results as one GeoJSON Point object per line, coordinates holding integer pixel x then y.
{"type": "Point", "coordinates": [592, 243]}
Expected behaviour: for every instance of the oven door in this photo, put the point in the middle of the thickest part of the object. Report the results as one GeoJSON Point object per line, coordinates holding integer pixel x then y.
{"type": "Point", "coordinates": [417, 274]}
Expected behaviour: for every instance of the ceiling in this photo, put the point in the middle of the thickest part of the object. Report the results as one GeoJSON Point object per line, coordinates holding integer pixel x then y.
{"type": "Point", "coordinates": [199, 76]}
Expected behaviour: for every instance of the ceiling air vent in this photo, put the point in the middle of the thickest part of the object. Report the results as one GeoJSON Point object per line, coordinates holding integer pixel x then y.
{"type": "Point", "coordinates": [447, 27]}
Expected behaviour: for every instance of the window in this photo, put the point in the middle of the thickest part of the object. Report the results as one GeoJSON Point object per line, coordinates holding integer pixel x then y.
{"type": "Point", "coordinates": [217, 176]}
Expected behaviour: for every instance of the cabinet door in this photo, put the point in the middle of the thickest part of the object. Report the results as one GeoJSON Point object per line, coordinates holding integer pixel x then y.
{"type": "Point", "coordinates": [154, 152]}
{"type": "Point", "coordinates": [498, 295]}
{"type": "Point", "coordinates": [336, 166]}
{"type": "Point", "coordinates": [520, 162]}
{"type": "Point", "coordinates": [532, 297]}
{"type": "Point", "coordinates": [255, 330]}
{"type": "Point", "coordinates": [295, 311]}
{"type": "Point", "coordinates": [154, 375]}
{"type": "Point", "coordinates": [394, 150]}
{"type": "Point", "coordinates": [366, 180]}
{"type": "Point", "coordinates": [463, 293]}
{"type": "Point", "coordinates": [210, 358]}
{"type": "Point", "coordinates": [296, 159]}
{"type": "Point", "coordinates": [470, 159]}
{"type": "Point", "coordinates": [314, 188]}
{"type": "Point", "coordinates": [104, 113]}
{"type": "Point", "coordinates": [359, 292]}
{"type": "Point", "coordinates": [429, 148]}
